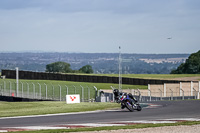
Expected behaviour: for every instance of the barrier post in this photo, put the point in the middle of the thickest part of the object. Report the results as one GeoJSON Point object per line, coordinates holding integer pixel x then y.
{"type": "Point", "coordinates": [88, 93]}
{"type": "Point", "coordinates": [67, 89]}
{"type": "Point", "coordinates": [182, 94]}
{"type": "Point", "coordinates": [46, 89]}
{"type": "Point", "coordinates": [4, 84]}
{"type": "Point", "coordinates": [22, 89]}
{"type": "Point", "coordinates": [52, 91]}
{"type": "Point", "coordinates": [74, 89]}
{"type": "Point", "coordinates": [82, 93]}
{"type": "Point", "coordinates": [191, 90]}
{"type": "Point", "coordinates": [171, 94]}
{"type": "Point", "coordinates": [27, 90]}
{"type": "Point", "coordinates": [160, 94]}
{"type": "Point", "coordinates": [33, 90]}
{"type": "Point", "coordinates": [60, 92]}
{"type": "Point", "coordinates": [149, 94]}
{"type": "Point", "coordinates": [10, 88]}
{"type": "Point", "coordinates": [95, 92]}
{"type": "Point", "coordinates": [17, 80]}
{"type": "Point", "coordinates": [40, 90]}
{"type": "Point", "coordinates": [195, 96]}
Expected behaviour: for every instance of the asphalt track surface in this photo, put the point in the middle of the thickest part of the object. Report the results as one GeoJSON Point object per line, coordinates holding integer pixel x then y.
{"type": "Point", "coordinates": [167, 110]}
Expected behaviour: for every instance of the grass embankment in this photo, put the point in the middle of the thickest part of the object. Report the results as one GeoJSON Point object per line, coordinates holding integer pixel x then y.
{"type": "Point", "coordinates": [9, 109]}
{"type": "Point", "coordinates": [137, 126]}
{"type": "Point", "coordinates": [153, 76]}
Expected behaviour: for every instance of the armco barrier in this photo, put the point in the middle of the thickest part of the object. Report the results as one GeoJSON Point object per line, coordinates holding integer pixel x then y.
{"type": "Point", "coordinates": [81, 78]}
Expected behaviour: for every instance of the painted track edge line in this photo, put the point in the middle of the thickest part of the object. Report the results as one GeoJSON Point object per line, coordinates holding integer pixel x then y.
{"type": "Point", "coordinates": [32, 116]}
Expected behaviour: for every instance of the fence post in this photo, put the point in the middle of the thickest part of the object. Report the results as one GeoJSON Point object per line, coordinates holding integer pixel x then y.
{"type": "Point", "coordinates": [171, 94]}
{"type": "Point", "coordinates": [27, 90]}
{"type": "Point", "coordinates": [182, 94]}
{"type": "Point", "coordinates": [40, 90]}
{"type": "Point", "coordinates": [33, 90]}
{"type": "Point", "coordinates": [10, 88]}
{"type": "Point", "coordinates": [74, 89]}
{"type": "Point", "coordinates": [195, 96]}
{"type": "Point", "coordinates": [82, 93]}
{"type": "Point", "coordinates": [133, 91]}
{"type": "Point", "coordinates": [95, 92]}
{"type": "Point", "coordinates": [160, 94]}
{"type": "Point", "coordinates": [4, 84]}
{"type": "Point", "coordinates": [149, 94]}
{"type": "Point", "coordinates": [52, 91]}
{"type": "Point", "coordinates": [112, 93]}
{"type": "Point", "coordinates": [88, 94]}
{"type": "Point", "coordinates": [22, 89]}
{"type": "Point", "coordinates": [165, 90]}
{"type": "Point", "coordinates": [60, 92]}
{"type": "Point", "coordinates": [140, 97]}
{"type": "Point", "coordinates": [46, 89]}
{"type": "Point", "coordinates": [17, 81]}
{"type": "Point", "coordinates": [180, 88]}
{"type": "Point", "coordinates": [67, 89]}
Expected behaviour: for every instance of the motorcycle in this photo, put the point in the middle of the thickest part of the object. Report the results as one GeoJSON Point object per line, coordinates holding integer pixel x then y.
{"type": "Point", "coordinates": [127, 102]}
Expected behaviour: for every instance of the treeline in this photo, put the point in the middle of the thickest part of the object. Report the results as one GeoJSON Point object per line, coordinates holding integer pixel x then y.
{"type": "Point", "coordinates": [100, 62]}
{"type": "Point", "coordinates": [191, 66]}
{"type": "Point", "coordinates": [63, 67]}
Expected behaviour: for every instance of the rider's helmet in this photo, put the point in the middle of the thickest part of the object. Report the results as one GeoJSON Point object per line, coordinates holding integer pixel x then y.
{"type": "Point", "coordinates": [116, 92]}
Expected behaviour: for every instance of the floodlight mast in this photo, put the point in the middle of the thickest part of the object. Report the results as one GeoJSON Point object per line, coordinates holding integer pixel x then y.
{"type": "Point", "coordinates": [120, 70]}
{"type": "Point", "coordinates": [17, 80]}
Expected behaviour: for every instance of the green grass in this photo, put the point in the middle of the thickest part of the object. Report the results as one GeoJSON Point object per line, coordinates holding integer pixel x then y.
{"type": "Point", "coordinates": [9, 109]}
{"type": "Point", "coordinates": [144, 76]}
{"type": "Point", "coordinates": [137, 126]}
{"type": "Point", "coordinates": [152, 76]}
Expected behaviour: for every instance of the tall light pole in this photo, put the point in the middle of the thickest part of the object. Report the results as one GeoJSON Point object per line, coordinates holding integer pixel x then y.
{"type": "Point", "coordinates": [17, 80]}
{"type": "Point", "coordinates": [120, 70]}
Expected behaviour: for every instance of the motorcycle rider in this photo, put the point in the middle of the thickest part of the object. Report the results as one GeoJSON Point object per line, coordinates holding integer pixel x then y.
{"type": "Point", "coordinates": [118, 95]}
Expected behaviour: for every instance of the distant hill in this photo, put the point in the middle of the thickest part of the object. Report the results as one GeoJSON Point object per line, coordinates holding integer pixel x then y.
{"type": "Point", "coordinates": [100, 62]}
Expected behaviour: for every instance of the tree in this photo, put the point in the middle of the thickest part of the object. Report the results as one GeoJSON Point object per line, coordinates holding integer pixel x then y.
{"type": "Point", "coordinates": [86, 69]}
{"type": "Point", "coordinates": [191, 66]}
{"type": "Point", "coordinates": [62, 67]}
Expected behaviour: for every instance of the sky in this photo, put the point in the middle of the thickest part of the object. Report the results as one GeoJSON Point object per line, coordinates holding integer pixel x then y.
{"type": "Point", "coordinates": [100, 26]}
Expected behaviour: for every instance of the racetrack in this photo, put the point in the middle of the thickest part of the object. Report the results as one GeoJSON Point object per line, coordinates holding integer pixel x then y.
{"type": "Point", "coordinates": [167, 110]}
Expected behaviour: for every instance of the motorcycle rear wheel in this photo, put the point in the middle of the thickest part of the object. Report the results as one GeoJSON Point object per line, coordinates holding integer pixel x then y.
{"type": "Point", "coordinates": [139, 108]}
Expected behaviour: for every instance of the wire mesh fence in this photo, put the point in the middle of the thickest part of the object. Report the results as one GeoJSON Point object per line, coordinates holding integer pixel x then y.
{"type": "Point", "coordinates": [46, 91]}
{"type": "Point", "coordinates": [159, 95]}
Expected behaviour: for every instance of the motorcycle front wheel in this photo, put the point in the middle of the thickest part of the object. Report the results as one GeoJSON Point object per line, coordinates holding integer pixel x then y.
{"type": "Point", "coordinates": [129, 106]}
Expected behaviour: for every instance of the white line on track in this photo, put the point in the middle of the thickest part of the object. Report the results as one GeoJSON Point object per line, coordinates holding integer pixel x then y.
{"type": "Point", "coordinates": [74, 113]}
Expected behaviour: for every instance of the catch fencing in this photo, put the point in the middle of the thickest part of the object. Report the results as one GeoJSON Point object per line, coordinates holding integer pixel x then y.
{"type": "Point", "coordinates": [46, 91]}
{"type": "Point", "coordinates": [155, 95]}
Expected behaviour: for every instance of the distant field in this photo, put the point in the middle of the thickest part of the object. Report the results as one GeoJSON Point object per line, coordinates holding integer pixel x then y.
{"type": "Point", "coordinates": [151, 76]}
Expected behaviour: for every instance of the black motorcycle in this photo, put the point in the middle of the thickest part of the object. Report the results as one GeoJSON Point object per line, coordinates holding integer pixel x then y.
{"type": "Point", "coordinates": [127, 101]}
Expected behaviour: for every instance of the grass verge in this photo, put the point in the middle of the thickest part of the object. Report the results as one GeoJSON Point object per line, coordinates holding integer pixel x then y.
{"type": "Point", "coordinates": [137, 126]}
{"type": "Point", "coordinates": [152, 76]}
{"type": "Point", "coordinates": [9, 109]}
